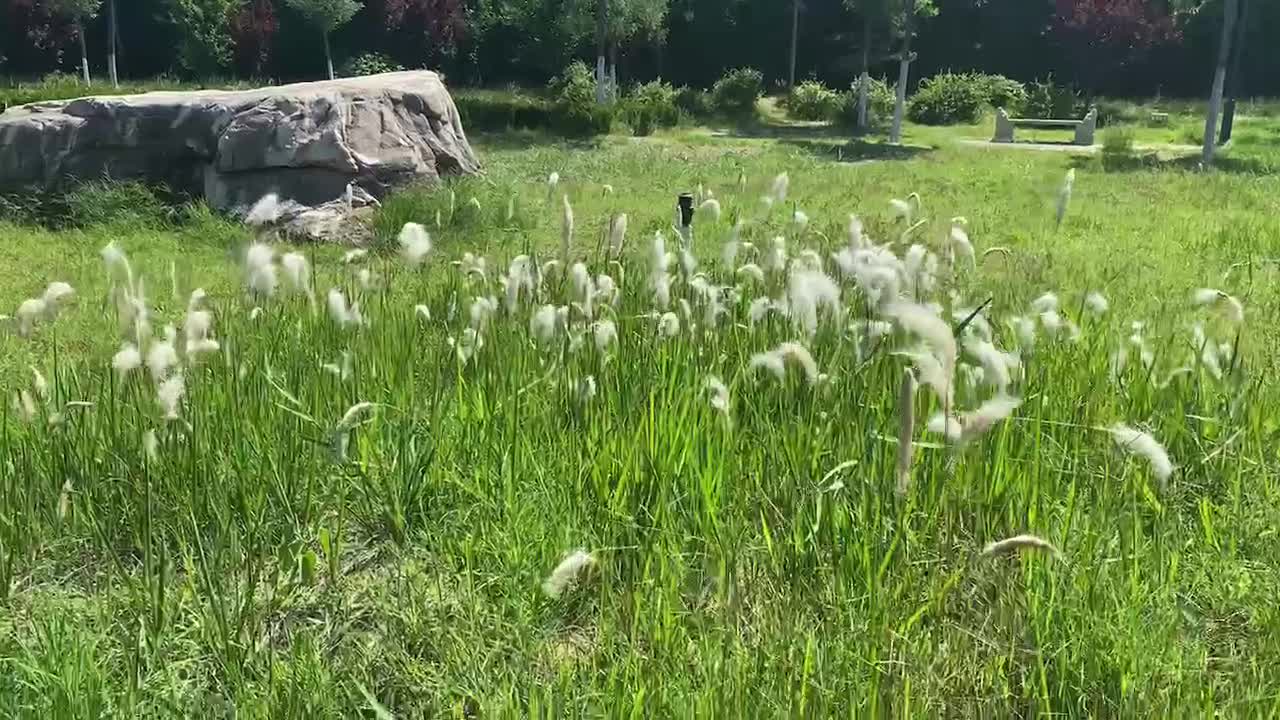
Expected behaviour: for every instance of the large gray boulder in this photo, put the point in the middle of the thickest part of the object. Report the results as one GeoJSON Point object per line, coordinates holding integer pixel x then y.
{"type": "Point", "coordinates": [326, 148]}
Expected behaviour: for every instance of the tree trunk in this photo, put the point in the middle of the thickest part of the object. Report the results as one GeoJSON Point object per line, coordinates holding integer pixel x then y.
{"type": "Point", "coordinates": [602, 37]}
{"type": "Point", "coordinates": [613, 71]}
{"type": "Point", "coordinates": [1232, 88]}
{"type": "Point", "coordinates": [1219, 80]}
{"type": "Point", "coordinates": [795, 37]}
{"type": "Point", "coordinates": [904, 66]}
{"type": "Point", "coordinates": [111, 43]}
{"type": "Point", "coordinates": [84, 53]}
{"type": "Point", "coordinates": [864, 80]}
{"type": "Point", "coordinates": [328, 56]}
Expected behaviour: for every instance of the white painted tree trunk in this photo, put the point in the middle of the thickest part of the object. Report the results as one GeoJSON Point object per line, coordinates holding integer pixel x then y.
{"type": "Point", "coordinates": [904, 68]}
{"type": "Point", "coordinates": [328, 57]}
{"type": "Point", "coordinates": [111, 44]}
{"type": "Point", "coordinates": [84, 53]}
{"type": "Point", "coordinates": [602, 36]}
{"type": "Point", "coordinates": [900, 104]}
{"type": "Point", "coordinates": [1219, 81]}
{"type": "Point", "coordinates": [795, 38]}
{"type": "Point", "coordinates": [864, 81]}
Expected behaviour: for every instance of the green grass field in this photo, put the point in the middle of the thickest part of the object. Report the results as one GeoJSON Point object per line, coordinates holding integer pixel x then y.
{"type": "Point", "coordinates": [283, 550]}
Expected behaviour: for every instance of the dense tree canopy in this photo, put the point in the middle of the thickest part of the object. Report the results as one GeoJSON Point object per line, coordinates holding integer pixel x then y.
{"type": "Point", "coordinates": [1103, 46]}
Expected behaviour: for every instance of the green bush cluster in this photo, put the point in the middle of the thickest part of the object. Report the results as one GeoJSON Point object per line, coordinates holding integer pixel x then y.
{"type": "Point", "coordinates": [952, 98]}
{"type": "Point", "coordinates": [948, 99]}
{"type": "Point", "coordinates": [573, 97]}
{"type": "Point", "coordinates": [649, 106]}
{"type": "Point", "coordinates": [880, 99]}
{"type": "Point", "coordinates": [369, 64]}
{"type": "Point", "coordinates": [811, 100]}
{"type": "Point", "coordinates": [1002, 92]}
{"type": "Point", "coordinates": [1045, 99]}
{"type": "Point", "coordinates": [695, 102]}
{"type": "Point", "coordinates": [496, 111]}
{"type": "Point", "coordinates": [737, 92]}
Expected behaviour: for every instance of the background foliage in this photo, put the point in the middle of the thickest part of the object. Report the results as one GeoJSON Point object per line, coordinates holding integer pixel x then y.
{"type": "Point", "coordinates": [1127, 47]}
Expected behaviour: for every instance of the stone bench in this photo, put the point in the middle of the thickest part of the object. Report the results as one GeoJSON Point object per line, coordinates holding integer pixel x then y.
{"type": "Point", "coordinates": [1084, 129]}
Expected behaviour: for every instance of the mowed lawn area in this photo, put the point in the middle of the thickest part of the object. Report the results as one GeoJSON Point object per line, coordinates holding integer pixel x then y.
{"type": "Point", "coordinates": [343, 516]}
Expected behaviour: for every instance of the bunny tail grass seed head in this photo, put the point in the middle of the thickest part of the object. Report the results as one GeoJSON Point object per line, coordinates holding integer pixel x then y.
{"type": "Point", "coordinates": [668, 325]}
{"type": "Point", "coordinates": [1136, 442]}
{"type": "Point", "coordinates": [778, 193]}
{"type": "Point", "coordinates": [415, 244]}
{"type": "Point", "coordinates": [266, 211]}
{"type": "Point", "coordinates": [906, 428]}
{"type": "Point", "coordinates": [572, 571]}
{"type": "Point", "coordinates": [126, 360]}
{"type": "Point", "coordinates": [542, 324]}
{"type": "Point", "coordinates": [566, 231]}
{"type": "Point", "coordinates": [297, 272]}
{"type": "Point", "coordinates": [1230, 307]}
{"type": "Point", "coordinates": [1019, 543]}
{"type": "Point", "coordinates": [1064, 195]}
{"type": "Point", "coordinates": [718, 394]}
{"type": "Point", "coordinates": [617, 235]}
{"type": "Point", "coordinates": [709, 210]}
{"type": "Point", "coordinates": [28, 315]}
{"type": "Point", "coordinates": [260, 270]}
{"type": "Point", "coordinates": [169, 395]}
{"type": "Point", "coordinates": [57, 296]}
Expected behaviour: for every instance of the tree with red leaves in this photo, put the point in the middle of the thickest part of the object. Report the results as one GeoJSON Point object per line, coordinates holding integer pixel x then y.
{"type": "Point", "coordinates": [252, 30]}
{"type": "Point", "coordinates": [1105, 37]}
{"type": "Point", "coordinates": [443, 22]}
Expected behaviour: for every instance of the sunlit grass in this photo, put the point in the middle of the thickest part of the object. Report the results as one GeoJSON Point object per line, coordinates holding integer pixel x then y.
{"type": "Point", "coordinates": [279, 553]}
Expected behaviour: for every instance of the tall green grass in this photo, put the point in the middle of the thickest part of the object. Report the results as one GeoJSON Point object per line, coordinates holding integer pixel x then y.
{"type": "Point", "coordinates": [758, 563]}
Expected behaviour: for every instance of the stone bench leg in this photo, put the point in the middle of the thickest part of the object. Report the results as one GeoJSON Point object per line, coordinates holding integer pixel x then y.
{"type": "Point", "coordinates": [1004, 128]}
{"type": "Point", "coordinates": [1086, 129]}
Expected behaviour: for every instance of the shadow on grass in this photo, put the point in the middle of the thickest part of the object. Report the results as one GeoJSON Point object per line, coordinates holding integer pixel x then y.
{"type": "Point", "coordinates": [1141, 162]}
{"type": "Point", "coordinates": [825, 140]}
{"type": "Point", "coordinates": [526, 139]}
{"type": "Point", "coordinates": [855, 151]}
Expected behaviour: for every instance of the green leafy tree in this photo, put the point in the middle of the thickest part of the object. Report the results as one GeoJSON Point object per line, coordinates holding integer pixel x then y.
{"type": "Point", "coordinates": [618, 22]}
{"type": "Point", "coordinates": [327, 16]}
{"type": "Point", "coordinates": [204, 34]}
{"type": "Point", "coordinates": [80, 12]}
{"type": "Point", "coordinates": [896, 18]}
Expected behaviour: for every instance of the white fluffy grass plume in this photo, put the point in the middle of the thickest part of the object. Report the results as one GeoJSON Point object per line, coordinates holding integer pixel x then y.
{"type": "Point", "coordinates": [571, 572]}
{"type": "Point", "coordinates": [566, 230]}
{"type": "Point", "coordinates": [415, 244]}
{"type": "Point", "coordinates": [775, 362]}
{"type": "Point", "coordinates": [906, 429]}
{"type": "Point", "coordinates": [936, 334]}
{"type": "Point", "coordinates": [1019, 543]}
{"type": "Point", "coordinates": [967, 427]}
{"type": "Point", "coordinates": [1145, 446]}
{"type": "Point", "coordinates": [1230, 307]}
{"type": "Point", "coordinates": [809, 292]}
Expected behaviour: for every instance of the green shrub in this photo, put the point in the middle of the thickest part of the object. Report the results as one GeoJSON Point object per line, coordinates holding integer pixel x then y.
{"type": "Point", "coordinates": [947, 99]}
{"type": "Point", "coordinates": [651, 105]}
{"type": "Point", "coordinates": [694, 102]}
{"type": "Point", "coordinates": [573, 95]}
{"type": "Point", "coordinates": [129, 203]}
{"type": "Point", "coordinates": [1117, 141]}
{"type": "Point", "coordinates": [737, 92]}
{"type": "Point", "coordinates": [880, 99]}
{"type": "Point", "coordinates": [496, 111]}
{"type": "Point", "coordinates": [811, 100]}
{"type": "Point", "coordinates": [369, 64]}
{"type": "Point", "coordinates": [1047, 100]}
{"type": "Point", "coordinates": [1002, 92]}
{"type": "Point", "coordinates": [1119, 112]}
